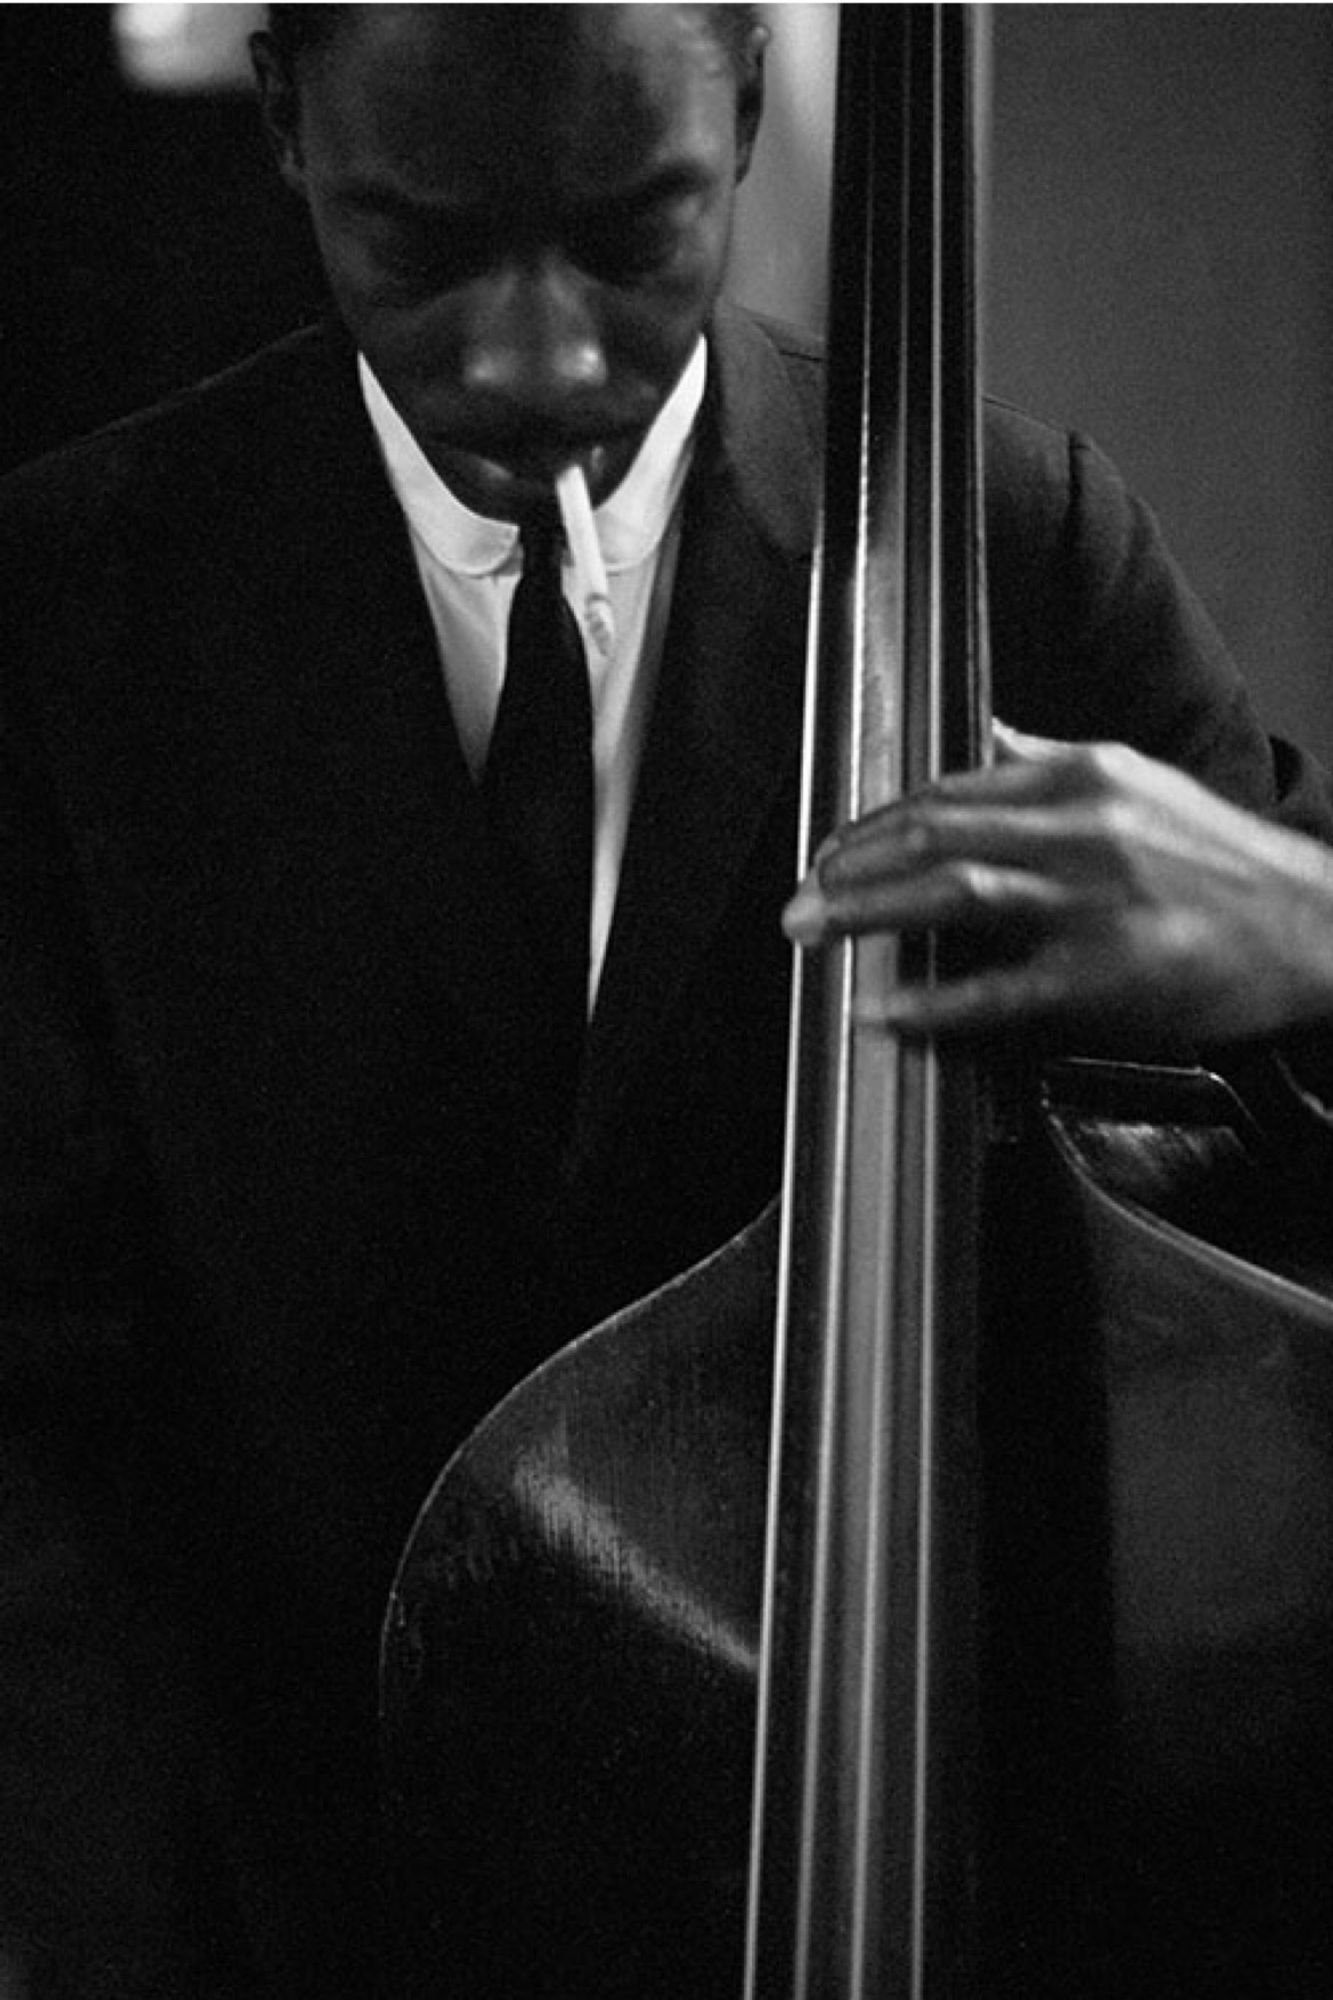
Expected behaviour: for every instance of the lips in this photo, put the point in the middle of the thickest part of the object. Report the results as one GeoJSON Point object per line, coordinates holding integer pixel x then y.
{"type": "Point", "coordinates": [529, 454]}
{"type": "Point", "coordinates": [541, 467]}
{"type": "Point", "coordinates": [505, 482]}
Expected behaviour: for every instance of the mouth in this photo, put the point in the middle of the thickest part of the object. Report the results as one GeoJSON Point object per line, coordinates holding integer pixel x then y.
{"type": "Point", "coordinates": [506, 481]}
{"type": "Point", "coordinates": [542, 467]}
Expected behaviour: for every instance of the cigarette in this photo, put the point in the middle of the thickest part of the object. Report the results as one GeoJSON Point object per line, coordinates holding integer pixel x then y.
{"type": "Point", "coordinates": [571, 492]}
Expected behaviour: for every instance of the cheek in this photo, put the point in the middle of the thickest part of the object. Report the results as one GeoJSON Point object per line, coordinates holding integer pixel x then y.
{"type": "Point", "coordinates": [412, 344]}
{"type": "Point", "coordinates": [650, 346]}
{"type": "Point", "coordinates": [683, 296]}
{"type": "Point", "coordinates": [362, 275]}
{"type": "Point", "coordinates": [653, 332]}
{"type": "Point", "coordinates": [344, 270]}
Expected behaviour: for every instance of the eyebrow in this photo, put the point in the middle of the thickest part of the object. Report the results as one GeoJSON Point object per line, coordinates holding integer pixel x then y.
{"type": "Point", "coordinates": [670, 182]}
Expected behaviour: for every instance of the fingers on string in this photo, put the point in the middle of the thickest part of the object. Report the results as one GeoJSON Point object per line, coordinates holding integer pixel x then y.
{"type": "Point", "coordinates": [1068, 843]}
{"type": "Point", "coordinates": [1059, 776]}
{"type": "Point", "coordinates": [982, 1006]}
{"type": "Point", "coordinates": [966, 898]}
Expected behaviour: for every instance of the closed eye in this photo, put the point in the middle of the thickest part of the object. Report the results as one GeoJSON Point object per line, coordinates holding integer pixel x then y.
{"type": "Point", "coordinates": [416, 244]}
{"type": "Point", "coordinates": [641, 234]}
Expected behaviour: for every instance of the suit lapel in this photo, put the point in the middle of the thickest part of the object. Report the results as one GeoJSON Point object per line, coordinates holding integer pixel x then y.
{"type": "Point", "coordinates": [353, 653]}
{"type": "Point", "coordinates": [725, 733]}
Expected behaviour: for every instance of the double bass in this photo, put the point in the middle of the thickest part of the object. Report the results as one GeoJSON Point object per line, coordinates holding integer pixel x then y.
{"type": "Point", "coordinates": [930, 1595]}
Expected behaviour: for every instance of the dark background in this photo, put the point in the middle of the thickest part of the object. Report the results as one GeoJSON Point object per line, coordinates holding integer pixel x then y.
{"type": "Point", "coordinates": [146, 238]}
{"type": "Point", "coordinates": [1162, 273]}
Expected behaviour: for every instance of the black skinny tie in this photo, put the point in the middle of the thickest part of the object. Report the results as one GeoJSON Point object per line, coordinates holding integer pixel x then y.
{"type": "Point", "coordinates": [538, 790]}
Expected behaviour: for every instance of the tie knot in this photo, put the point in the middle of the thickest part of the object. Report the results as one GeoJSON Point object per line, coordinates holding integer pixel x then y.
{"type": "Point", "coordinates": [541, 540]}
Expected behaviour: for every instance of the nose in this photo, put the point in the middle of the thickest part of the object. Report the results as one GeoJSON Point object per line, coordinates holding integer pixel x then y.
{"type": "Point", "coordinates": [532, 340]}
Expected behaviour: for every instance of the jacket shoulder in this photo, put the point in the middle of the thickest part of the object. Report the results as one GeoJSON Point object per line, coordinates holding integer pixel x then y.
{"type": "Point", "coordinates": [799, 348]}
{"type": "Point", "coordinates": [751, 339]}
{"type": "Point", "coordinates": [1027, 463]}
{"type": "Point", "coordinates": [1027, 460]}
{"type": "Point", "coordinates": [179, 453]}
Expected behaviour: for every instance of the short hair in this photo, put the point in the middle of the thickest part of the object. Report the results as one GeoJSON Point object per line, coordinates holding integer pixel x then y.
{"type": "Point", "coordinates": [301, 27]}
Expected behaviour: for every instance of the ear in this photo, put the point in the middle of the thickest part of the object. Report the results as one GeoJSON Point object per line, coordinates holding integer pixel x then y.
{"type": "Point", "coordinates": [749, 97]}
{"type": "Point", "coordinates": [280, 109]}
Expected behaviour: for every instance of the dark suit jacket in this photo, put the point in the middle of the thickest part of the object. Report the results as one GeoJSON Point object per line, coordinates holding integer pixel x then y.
{"type": "Point", "coordinates": [280, 1211]}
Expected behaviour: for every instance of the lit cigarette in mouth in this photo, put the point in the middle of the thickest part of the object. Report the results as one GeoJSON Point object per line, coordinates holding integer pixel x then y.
{"type": "Point", "coordinates": [571, 492]}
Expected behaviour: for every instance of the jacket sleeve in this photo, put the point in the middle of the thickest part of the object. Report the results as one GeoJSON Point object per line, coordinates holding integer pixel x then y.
{"type": "Point", "coordinates": [1097, 635]}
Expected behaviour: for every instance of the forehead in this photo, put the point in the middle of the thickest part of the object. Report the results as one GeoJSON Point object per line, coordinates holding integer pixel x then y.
{"type": "Point", "coordinates": [480, 101]}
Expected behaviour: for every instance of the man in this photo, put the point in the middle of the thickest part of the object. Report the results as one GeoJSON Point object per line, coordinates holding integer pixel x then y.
{"type": "Point", "coordinates": [293, 1188]}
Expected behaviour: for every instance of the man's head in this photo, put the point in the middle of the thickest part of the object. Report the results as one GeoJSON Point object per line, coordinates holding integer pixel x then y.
{"type": "Point", "coordinates": [524, 213]}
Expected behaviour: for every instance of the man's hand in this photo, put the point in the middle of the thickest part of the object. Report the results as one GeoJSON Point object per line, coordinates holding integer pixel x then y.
{"type": "Point", "coordinates": [1098, 892]}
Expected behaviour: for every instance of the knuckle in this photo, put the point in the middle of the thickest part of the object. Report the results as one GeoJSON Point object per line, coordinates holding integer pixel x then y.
{"type": "Point", "coordinates": [975, 885]}
{"type": "Point", "coordinates": [1108, 766]}
{"type": "Point", "coordinates": [915, 833]}
{"type": "Point", "coordinates": [1118, 824]}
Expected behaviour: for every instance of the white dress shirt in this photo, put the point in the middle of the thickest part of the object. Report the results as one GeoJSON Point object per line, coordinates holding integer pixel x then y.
{"type": "Point", "coordinates": [469, 566]}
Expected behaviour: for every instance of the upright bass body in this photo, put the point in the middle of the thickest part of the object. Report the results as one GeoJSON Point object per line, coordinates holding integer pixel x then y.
{"type": "Point", "coordinates": [1158, 1424]}
{"type": "Point", "coordinates": [570, 1655]}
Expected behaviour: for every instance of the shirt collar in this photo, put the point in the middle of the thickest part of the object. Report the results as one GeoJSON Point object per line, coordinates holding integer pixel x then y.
{"type": "Point", "coordinates": [630, 523]}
